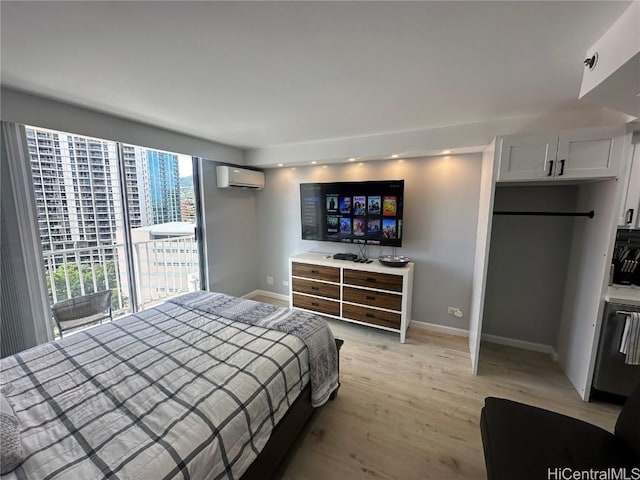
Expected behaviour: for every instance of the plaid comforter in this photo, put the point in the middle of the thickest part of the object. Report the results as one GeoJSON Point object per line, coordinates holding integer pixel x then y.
{"type": "Point", "coordinates": [169, 392]}
{"type": "Point", "coordinates": [310, 328]}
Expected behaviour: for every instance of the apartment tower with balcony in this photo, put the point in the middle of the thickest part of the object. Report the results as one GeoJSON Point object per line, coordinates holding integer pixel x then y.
{"type": "Point", "coordinates": [75, 184]}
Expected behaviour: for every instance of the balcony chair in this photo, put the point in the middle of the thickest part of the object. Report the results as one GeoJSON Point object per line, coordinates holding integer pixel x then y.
{"type": "Point", "coordinates": [82, 311]}
{"type": "Point", "coordinates": [525, 442]}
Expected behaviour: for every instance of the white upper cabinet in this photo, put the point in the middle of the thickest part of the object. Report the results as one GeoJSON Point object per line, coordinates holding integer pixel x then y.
{"type": "Point", "coordinates": [581, 154]}
{"type": "Point", "coordinates": [527, 157]}
{"type": "Point", "coordinates": [590, 153]}
{"type": "Point", "coordinates": [611, 75]}
{"type": "Point", "coordinates": [630, 214]}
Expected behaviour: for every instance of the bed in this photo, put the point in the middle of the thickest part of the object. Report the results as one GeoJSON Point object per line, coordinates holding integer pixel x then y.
{"type": "Point", "coordinates": [205, 386]}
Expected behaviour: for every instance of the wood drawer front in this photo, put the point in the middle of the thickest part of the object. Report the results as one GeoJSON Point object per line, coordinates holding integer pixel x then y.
{"type": "Point", "coordinates": [316, 272]}
{"type": "Point", "coordinates": [376, 299]}
{"type": "Point", "coordinates": [369, 315]}
{"type": "Point", "coordinates": [316, 288]}
{"type": "Point", "coordinates": [317, 304]}
{"type": "Point", "coordinates": [383, 281]}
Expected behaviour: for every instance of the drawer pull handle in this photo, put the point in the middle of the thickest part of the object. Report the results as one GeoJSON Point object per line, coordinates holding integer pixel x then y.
{"type": "Point", "coordinates": [369, 297]}
{"type": "Point", "coordinates": [370, 315]}
{"type": "Point", "coordinates": [315, 271]}
{"type": "Point", "coordinates": [315, 288]}
{"type": "Point", "coordinates": [371, 279]}
{"type": "Point", "coordinates": [315, 304]}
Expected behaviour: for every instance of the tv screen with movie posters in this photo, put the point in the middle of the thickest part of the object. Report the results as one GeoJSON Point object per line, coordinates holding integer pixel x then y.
{"type": "Point", "coordinates": [353, 212]}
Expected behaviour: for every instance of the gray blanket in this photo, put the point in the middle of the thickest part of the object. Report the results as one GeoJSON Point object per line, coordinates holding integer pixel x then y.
{"type": "Point", "coordinates": [310, 328]}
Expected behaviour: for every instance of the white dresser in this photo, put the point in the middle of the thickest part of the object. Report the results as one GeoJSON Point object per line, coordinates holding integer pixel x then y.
{"type": "Point", "coordinates": [365, 293]}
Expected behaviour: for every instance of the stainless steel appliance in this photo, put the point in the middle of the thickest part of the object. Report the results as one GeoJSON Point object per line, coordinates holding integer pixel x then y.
{"type": "Point", "coordinates": [612, 375]}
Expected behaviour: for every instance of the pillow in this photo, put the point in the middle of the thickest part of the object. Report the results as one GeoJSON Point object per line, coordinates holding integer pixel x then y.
{"type": "Point", "coordinates": [11, 454]}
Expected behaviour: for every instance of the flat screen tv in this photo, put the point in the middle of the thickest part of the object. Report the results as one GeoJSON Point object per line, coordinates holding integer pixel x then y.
{"type": "Point", "coordinates": [353, 212]}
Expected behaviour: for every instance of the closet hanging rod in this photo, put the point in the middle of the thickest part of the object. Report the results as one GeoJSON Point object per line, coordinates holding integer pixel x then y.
{"type": "Point", "coordinates": [589, 214]}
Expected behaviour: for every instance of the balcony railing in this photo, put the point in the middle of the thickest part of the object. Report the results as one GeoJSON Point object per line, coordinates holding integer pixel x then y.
{"type": "Point", "coordinates": [163, 269]}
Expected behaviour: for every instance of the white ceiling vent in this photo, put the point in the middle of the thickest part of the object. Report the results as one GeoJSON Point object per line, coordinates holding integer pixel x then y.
{"type": "Point", "coordinates": [235, 177]}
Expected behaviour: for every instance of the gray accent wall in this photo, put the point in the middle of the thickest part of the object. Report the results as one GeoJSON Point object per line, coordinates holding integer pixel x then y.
{"type": "Point", "coordinates": [528, 262]}
{"type": "Point", "coordinates": [440, 219]}
{"type": "Point", "coordinates": [230, 233]}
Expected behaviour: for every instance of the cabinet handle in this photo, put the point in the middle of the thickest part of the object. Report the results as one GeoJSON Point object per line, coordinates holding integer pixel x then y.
{"type": "Point", "coordinates": [370, 315]}
{"type": "Point", "coordinates": [315, 304]}
{"type": "Point", "coordinates": [315, 288]}
{"type": "Point", "coordinates": [371, 279]}
{"type": "Point", "coordinates": [561, 167]}
{"type": "Point", "coordinates": [628, 218]}
{"type": "Point", "coordinates": [315, 271]}
{"type": "Point", "coordinates": [370, 297]}
{"type": "Point", "coordinates": [550, 168]}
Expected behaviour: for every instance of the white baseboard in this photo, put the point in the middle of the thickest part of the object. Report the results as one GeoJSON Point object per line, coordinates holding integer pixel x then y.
{"type": "Point", "coordinates": [434, 327]}
{"type": "Point", "coordinates": [523, 344]}
{"type": "Point", "coordinates": [277, 296]}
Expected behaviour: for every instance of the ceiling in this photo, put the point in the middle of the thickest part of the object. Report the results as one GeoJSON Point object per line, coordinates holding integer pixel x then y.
{"type": "Point", "coordinates": [259, 74]}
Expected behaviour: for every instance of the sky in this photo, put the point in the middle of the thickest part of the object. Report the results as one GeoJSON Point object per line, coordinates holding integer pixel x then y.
{"type": "Point", "coordinates": [185, 166]}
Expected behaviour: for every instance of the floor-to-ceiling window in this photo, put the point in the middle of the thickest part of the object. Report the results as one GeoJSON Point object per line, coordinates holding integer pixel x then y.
{"type": "Point", "coordinates": [114, 216]}
{"type": "Point", "coordinates": [162, 223]}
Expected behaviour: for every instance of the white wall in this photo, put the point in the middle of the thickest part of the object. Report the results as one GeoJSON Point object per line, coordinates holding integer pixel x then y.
{"type": "Point", "coordinates": [18, 107]}
{"type": "Point", "coordinates": [230, 235]}
{"type": "Point", "coordinates": [591, 252]}
{"type": "Point", "coordinates": [440, 217]}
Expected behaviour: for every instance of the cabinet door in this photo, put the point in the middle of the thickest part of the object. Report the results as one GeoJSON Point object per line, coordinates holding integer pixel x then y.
{"type": "Point", "coordinates": [525, 158]}
{"type": "Point", "coordinates": [592, 153]}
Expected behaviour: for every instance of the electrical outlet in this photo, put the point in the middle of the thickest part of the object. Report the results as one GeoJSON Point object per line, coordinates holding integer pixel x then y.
{"type": "Point", "coordinates": [269, 280]}
{"type": "Point", "coordinates": [285, 283]}
{"type": "Point", "coordinates": [455, 311]}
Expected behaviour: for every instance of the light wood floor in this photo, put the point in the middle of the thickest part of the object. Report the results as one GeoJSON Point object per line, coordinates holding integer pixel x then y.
{"type": "Point", "coordinates": [412, 411]}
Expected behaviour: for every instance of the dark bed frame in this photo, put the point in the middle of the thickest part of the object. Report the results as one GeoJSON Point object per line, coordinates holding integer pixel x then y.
{"type": "Point", "coordinates": [266, 464]}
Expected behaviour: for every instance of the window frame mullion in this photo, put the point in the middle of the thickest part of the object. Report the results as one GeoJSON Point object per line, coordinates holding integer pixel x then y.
{"type": "Point", "coordinates": [128, 241]}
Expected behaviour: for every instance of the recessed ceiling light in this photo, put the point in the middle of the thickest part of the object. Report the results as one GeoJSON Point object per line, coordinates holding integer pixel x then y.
{"type": "Point", "coordinates": [314, 162]}
{"type": "Point", "coordinates": [395, 155]}
{"type": "Point", "coordinates": [445, 152]}
{"type": "Point", "coordinates": [280, 165]}
{"type": "Point", "coordinates": [352, 159]}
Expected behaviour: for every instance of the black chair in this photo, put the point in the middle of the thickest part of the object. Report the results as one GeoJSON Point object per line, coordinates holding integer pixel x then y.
{"type": "Point", "coordinates": [524, 442]}
{"type": "Point", "coordinates": [82, 311]}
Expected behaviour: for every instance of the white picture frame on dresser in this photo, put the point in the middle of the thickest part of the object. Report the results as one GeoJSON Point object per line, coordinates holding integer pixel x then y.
{"type": "Point", "coordinates": [368, 294]}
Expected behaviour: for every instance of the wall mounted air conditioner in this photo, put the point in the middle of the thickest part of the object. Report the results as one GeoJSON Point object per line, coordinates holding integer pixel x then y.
{"type": "Point", "coordinates": [235, 177]}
